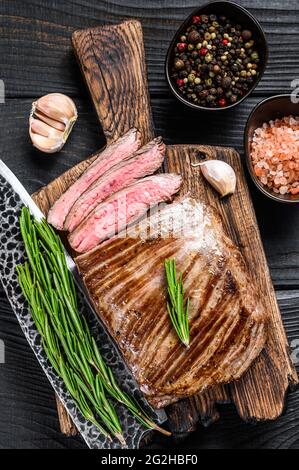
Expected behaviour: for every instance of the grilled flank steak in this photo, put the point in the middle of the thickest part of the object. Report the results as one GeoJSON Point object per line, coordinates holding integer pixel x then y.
{"type": "Point", "coordinates": [126, 282]}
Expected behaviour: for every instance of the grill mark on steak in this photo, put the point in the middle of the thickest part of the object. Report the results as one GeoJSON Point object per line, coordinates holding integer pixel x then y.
{"type": "Point", "coordinates": [177, 373]}
{"type": "Point", "coordinates": [242, 341]}
{"type": "Point", "coordinates": [227, 320]}
{"type": "Point", "coordinates": [116, 257]}
{"type": "Point", "coordinates": [158, 331]}
{"type": "Point", "coordinates": [230, 284]}
{"type": "Point", "coordinates": [221, 354]}
{"type": "Point", "coordinates": [130, 285]}
{"type": "Point", "coordinates": [180, 370]}
{"type": "Point", "coordinates": [146, 322]}
{"type": "Point", "coordinates": [233, 323]}
{"type": "Point", "coordinates": [117, 276]}
{"type": "Point", "coordinates": [110, 294]}
{"type": "Point", "coordinates": [153, 305]}
{"type": "Point", "coordinates": [138, 291]}
{"type": "Point", "coordinates": [204, 340]}
{"type": "Point", "coordinates": [210, 283]}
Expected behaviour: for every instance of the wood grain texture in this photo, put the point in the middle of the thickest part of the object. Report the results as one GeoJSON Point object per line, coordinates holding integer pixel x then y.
{"type": "Point", "coordinates": [35, 59]}
{"type": "Point", "coordinates": [273, 370]}
{"type": "Point", "coordinates": [184, 416]}
{"type": "Point", "coordinates": [44, 27]}
{"type": "Point", "coordinates": [260, 394]}
{"type": "Point", "coordinates": [28, 413]}
{"type": "Point", "coordinates": [113, 64]}
{"type": "Point", "coordinates": [65, 421]}
{"type": "Point", "coordinates": [29, 417]}
{"type": "Point", "coordinates": [177, 124]}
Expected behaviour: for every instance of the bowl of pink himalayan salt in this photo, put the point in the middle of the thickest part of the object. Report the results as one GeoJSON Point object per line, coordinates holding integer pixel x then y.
{"type": "Point", "coordinates": [272, 148]}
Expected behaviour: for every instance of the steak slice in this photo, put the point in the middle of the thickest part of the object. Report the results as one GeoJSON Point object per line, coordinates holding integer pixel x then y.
{"type": "Point", "coordinates": [126, 282]}
{"type": "Point", "coordinates": [122, 209]}
{"type": "Point", "coordinates": [144, 162]}
{"type": "Point", "coordinates": [120, 150]}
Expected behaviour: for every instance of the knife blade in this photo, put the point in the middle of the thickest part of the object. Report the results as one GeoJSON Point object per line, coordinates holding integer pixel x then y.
{"type": "Point", "coordinates": [37, 213]}
{"type": "Point", "coordinates": [34, 209]}
{"type": "Point", "coordinates": [25, 197]}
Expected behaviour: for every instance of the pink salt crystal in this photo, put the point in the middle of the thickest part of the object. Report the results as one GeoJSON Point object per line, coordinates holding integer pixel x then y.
{"type": "Point", "coordinates": [275, 154]}
{"type": "Point", "coordinates": [283, 189]}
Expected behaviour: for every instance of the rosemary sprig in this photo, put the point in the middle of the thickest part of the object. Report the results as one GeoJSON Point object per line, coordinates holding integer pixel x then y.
{"type": "Point", "coordinates": [177, 312]}
{"type": "Point", "coordinates": [49, 289]}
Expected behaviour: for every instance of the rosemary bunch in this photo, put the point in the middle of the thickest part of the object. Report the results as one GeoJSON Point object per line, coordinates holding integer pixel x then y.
{"type": "Point", "coordinates": [49, 288]}
{"type": "Point", "coordinates": [177, 311]}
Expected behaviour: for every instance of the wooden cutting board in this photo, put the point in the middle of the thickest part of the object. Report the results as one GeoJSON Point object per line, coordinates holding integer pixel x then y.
{"type": "Point", "coordinates": [112, 61]}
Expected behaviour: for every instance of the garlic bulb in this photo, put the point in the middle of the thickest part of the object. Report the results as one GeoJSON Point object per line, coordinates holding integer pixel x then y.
{"type": "Point", "coordinates": [220, 175]}
{"type": "Point", "coordinates": [51, 120]}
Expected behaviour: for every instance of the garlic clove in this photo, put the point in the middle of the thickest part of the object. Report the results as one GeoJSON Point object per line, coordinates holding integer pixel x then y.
{"type": "Point", "coordinates": [51, 121]}
{"type": "Point", "coordinates": [42, 143]}
{"type": "Point", "coordinates": [43, 129]}
{"type": "Point", "coordinates": [57, 106]}
{"type": "Point", "coordinates": [42, 117]}
{"type": "Point", "coordinates": [220, 175]}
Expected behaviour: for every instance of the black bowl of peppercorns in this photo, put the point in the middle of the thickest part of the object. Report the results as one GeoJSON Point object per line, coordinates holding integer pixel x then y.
{"type": "Point", "coordinates": [217, 57]}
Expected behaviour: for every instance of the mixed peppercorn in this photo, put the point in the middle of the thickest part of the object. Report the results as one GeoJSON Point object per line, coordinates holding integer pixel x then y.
{"type": "Point", "coordinates": [215, 62]}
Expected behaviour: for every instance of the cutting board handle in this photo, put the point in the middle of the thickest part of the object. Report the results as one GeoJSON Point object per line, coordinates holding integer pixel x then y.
{"type": "Point", "coordinates": [113, 64]}
{"type": "Point", "coordinates": [112, 61]}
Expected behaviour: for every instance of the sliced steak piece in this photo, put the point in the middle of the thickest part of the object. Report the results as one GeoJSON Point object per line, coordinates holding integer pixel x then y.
{"type": "Point", "coordinates": [122, 209]}
{"type": "Point", "coordinates": [144, 162]}
{"type": "Point", "coordinates": [120, 150]}
{"type": "Point", "coordinates": [126, 282]}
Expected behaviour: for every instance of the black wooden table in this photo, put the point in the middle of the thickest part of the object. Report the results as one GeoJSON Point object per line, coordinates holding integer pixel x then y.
{"type": "Point", "coordinates": [36, 58]}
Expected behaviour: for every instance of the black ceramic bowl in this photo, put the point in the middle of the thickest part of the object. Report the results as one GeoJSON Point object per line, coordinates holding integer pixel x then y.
{"type": "Point", "coordinates": [272, 108]}
{"type": "Point", "coordinates": [237, 14]}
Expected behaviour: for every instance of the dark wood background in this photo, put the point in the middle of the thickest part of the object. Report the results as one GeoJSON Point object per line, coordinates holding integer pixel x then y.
{"type": "Point", "coordinates": [36, 58]}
